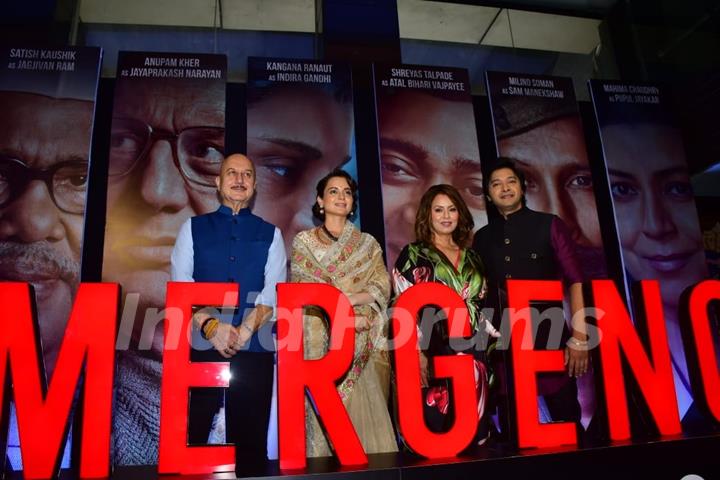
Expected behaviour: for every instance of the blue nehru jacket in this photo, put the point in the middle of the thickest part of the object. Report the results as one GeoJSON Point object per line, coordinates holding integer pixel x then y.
{"type": "Point", "coordinates": [242, 249]}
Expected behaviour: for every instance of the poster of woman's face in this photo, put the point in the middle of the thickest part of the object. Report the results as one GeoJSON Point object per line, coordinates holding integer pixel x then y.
{"type": "Point", "coordinates": [652, 197]}
{"type": "Point", "coordinates": [654, 206]}
{"type": "Point", "coordinates": [298, 130]}
{"type": "Point", "coordinates": [655, 213]}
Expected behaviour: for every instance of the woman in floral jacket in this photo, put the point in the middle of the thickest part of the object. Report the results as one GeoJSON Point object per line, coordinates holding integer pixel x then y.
{"type": "Point", "coordinates": [443, 229]}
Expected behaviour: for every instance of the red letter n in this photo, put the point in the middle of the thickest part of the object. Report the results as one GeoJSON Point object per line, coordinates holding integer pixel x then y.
{"type": "Point", "coordinates": [654, 376]}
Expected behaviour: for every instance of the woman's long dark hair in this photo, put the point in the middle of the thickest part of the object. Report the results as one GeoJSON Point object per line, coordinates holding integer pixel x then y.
{"type": "Point", "coordinates": [423, 231]}
{"type": "Point", "coordinates": [320, 188]}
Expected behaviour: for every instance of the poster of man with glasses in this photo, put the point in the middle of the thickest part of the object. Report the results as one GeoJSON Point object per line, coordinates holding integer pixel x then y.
{"type": "Point", "coordinates": [48, 102]}
{"type": "Point", "coordinates": [166, 145]}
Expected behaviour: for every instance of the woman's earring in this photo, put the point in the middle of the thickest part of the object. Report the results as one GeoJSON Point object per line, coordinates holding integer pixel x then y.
{"type": "Point", "coordinates": [322, 211]}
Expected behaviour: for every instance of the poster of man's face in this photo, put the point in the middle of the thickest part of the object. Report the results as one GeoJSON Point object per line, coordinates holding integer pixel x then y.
{"type": "Point", "coordinates": [166, 146]}
{"type": "Point", "coordinates": [45, 134]}
{"type": "Point", "coordinates": [544, 136]}
{"type": "Point", "coordinates": [43, 186]}
{"type": "Point", "coordinates": [427, 137]}
{"type": "Point", "coordinates": [297, 132]}
{"type": "Point", "coordinates": [554, 160]}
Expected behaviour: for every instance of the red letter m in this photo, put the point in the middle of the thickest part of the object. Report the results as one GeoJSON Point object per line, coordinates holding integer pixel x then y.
{"type": "Point", "coordinates": [43, 413]}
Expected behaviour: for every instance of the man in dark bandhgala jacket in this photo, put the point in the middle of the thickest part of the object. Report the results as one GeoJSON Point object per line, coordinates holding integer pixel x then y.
{"type": "Point", "coordinates": [525, 244]}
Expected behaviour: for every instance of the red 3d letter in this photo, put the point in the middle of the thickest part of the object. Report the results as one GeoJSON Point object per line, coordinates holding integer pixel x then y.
{"type": "Point", "coordinates": [318, 376]}
{"type": "Point", "coordinates": [179, 374]}
{"type": "Point", "coordinates": [701, 296]}
{"type": "Point", "coordinates": [42, 417]}
{"type": "Point", "coordinates": [459, 368]}
{"type": "Point", "coordinates": [654, 377]}
{"type": "Point", "coordinates": [527, 363]}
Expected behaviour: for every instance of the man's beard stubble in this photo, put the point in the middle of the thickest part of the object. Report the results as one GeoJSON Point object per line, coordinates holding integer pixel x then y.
{"type": "Point", "coordinates": [55, 279]}
{"type": "Point", "coordinates": [36, 263]}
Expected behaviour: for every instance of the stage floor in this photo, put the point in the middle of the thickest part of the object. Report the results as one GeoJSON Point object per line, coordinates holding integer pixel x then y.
{"type": "Point", "coordinates": [666, 458]}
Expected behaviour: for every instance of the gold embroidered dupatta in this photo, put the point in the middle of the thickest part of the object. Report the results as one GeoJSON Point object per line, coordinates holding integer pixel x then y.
{"type": "Point", "coordinates": [352, 264]}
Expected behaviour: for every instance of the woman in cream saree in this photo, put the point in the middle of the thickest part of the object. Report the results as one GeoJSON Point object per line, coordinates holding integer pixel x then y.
{"type": "Point", "coordinates": [339, 254]}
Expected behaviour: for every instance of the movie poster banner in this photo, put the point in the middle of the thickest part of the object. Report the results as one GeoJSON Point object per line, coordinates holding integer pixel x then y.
{"type": "Point", "coordinates": [166, 146]}
{"type": "Point", "coordinates": [709, 213]}
{"type": "Point", "coordinates": [427, 136]}
{"type": "Point", "coordinates": [48, 102]}
{"type": "Point", "coordinates": [299, 128]}
{"type": "Point", "coordinates": [537, 125]}
{"type": "Point", "coordinates": [657, 222]}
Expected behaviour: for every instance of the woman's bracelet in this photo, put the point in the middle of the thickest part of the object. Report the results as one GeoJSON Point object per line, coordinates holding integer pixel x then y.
{"type": "Point", "coordinates": [247, 328]}
{"type": "Point", "coordinates": [211, 323]}
{"type": "Point", "coordinates": [576, 342]}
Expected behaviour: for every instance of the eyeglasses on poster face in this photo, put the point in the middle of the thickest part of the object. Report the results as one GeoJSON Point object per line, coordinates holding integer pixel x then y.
{"type": "Point", "coordinates": [198, 152]}
{"type": "Point", "coordinates": [66, 182]}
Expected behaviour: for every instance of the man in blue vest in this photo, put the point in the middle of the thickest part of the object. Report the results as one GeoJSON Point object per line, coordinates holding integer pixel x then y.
{"type": "Point", "coordinates": [233, 245]}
